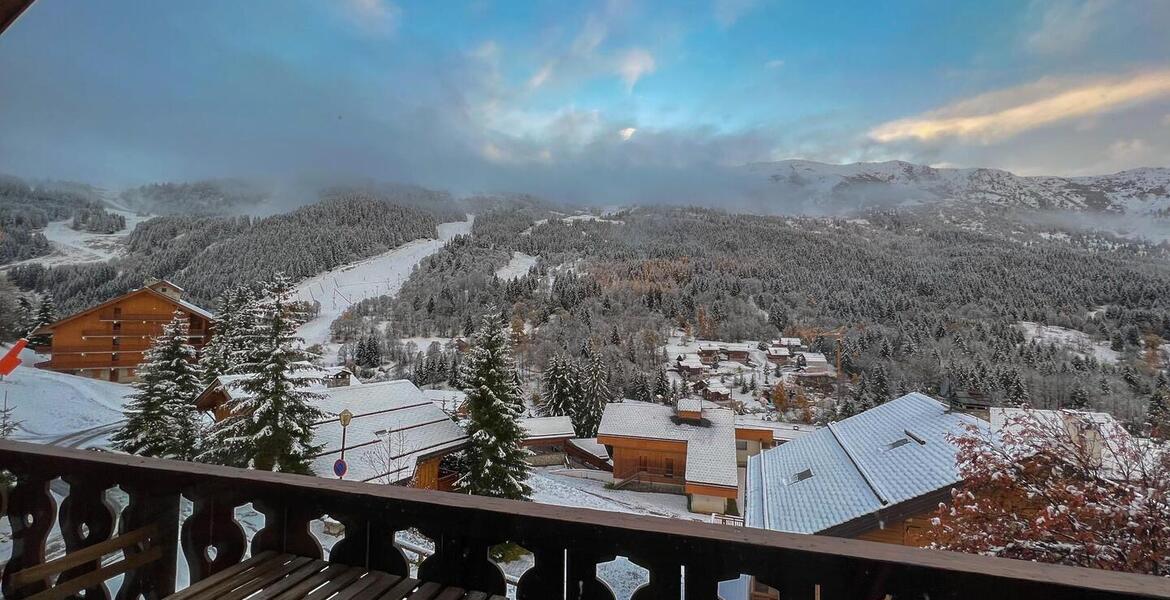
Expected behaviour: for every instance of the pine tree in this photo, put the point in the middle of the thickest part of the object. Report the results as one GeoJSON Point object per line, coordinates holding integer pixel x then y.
{"type": "Point", "coordinates": [494, 462]}
{"type": "Point", "coordinates": [1079, 397]}
{"type": "Point", "coordinates": [28, 316]}
{"type": "Point", "coordinates": [661, 384]}
{"type": "Point", "coordinates": [270, 427]}
{"type": "Point", "coordinates": [232, 326]}
{"type": "Point", "coordinates": [777, 317]}
{"type": "Point", "coordinates": [561, 386]}
{"type": "Point", "coordinates": [161, 419]}
{"type": "Point", "coordinates": [45, 315]}
{"type": "Point", "coordinates": [1158, 414]}
{"type": "Point", "coordinates": [8, 421]}
{"type": "Point", "coordinates": [595, 395]}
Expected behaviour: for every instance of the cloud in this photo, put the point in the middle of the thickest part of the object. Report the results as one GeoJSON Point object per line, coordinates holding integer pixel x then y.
{"type": "Point", "coordinates": [774, 64]}
{"type": "Point", "coordinates": [633, 65]}
{"type": "Point", "coordinates": [627, 132]}
{"type": "Point", "coordinates": [727, 12]}
{"type": "Point", "coordinates": [374, 16]}
{"type": "Point", "coordinates": [1066, 26]}
{"type": "Point", "coordinates": [540, 76]}
{"type": "Point", "coordinates": [1002, 114]}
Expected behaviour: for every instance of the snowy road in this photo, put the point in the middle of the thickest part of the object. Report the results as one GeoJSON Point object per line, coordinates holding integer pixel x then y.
{"type": "Point", "coordinates": [76, 247]}
{"type": "Point", "coordinates": [380, 275]}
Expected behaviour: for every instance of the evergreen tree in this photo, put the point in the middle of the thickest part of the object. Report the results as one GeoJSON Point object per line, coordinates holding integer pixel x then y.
{"type": "Point", "coordinates": [272, 413]}
{"type": "Point", "coordinates": [561, 386]}
{"type": "Point", "coordinates": [8, 421]}
{"type": "Point", "coordinates": [594, 396]}
{"type": "Point", "coordinates": [661, 384]}
{"type": "Point", "coordinates": [233, 324]}
{"type": "Point", "coordinates": [777, 317]}
{"type": "Point", "coordinates": [28, 316]}
{"type": "Point", "coordinates": [1079, 397]}
{"type": "Point", "coordinates": [1158, 414]}
{"type": "Point", "coordinates": [46, 314]}
{"type": "Point", "coordinates": [160, 416]}
{"type": "Point", "coordinates": [494, 462]}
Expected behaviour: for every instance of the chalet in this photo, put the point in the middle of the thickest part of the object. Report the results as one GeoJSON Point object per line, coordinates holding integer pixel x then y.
{"type": "Point", "coordinates": [215, 398]}
{"type": "Point", "coordinates": [689, 366]}
{"type": "Point", "coordinates": [792, 343]}
{"type": "Point", "coordinates": [876, 476]}
{"type": "Point", "coordinates": [396, 436]}
{"type": "Point", "coordinates": [737, 352]}
{"type": "Point", "coordinates": [545, 438]}
{"type": "Point", "coordinates": [708, 353]}
{"type": "Point", "coordinates": [715, 391]}
{"type": "Point", "coordinates": [778, 355]}
{"type": "Point", "coordinates": [686, 450]}
{"type": "Point", "coordinates": [107, 341]}
{"type": "Point", "coordinates": [782, 433]}
{"type": "Point", "coordinates": [336, 376]}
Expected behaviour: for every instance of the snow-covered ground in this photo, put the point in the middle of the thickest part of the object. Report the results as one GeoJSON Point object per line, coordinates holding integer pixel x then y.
{"type": "Point", "coordinates": [380, 275]}
{"type": "Point", "coordinates": [74, 247]}
{"type": "Point", "coordinates": [1076, 341]}
{"type": "Point", "coordinates": [517, 267]}
{"type": "Point", "coordinates": [540, 222]}
{"type": "Point", "coordinates": [66, 410]}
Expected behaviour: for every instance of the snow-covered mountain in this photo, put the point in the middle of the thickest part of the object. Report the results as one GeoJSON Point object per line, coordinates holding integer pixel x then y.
{"type": "Point", "coordinates": [1137, 191]}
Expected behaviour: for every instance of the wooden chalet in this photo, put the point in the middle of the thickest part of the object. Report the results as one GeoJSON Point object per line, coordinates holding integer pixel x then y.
{"type": "Point", "coordinates": [546, 438]}
{"type": "Point", "coordinates": [778, 355]}
{"type": "Point", "coordinates": [108, 341]}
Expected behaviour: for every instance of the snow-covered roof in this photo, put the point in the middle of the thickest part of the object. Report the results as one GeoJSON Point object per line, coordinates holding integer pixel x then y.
{"type": "Point", "coordinates": [203, 312]}
{"type": "Point", "coordinates": [393, 426]}
{"type": "Point", "coordinates": [591, 446]}
{"type": "Point", "coordinates": [230, 383]}
{"type": "Point", "coordinates": [778, 351]}
{"type": "Point", "coordinates": [690, 405]}
{"type": "Point", "coordinates": [1111, 434]}
{"type": "Point", "coordinates": [448, 400]}
{"type": "Point", "coordinates": [691, 362]}
{"type": "Point", "coordinates": [718, 388]}
{"type": "Point", "coordinates": [542, 428]}
{"type": "Point", "coordinates": [711, 458]}
{"type": "Point", "coordinates": [737, 347]}
{"type": "Point", "coordinates": [780, 431]}
{"type": "Point", "coordinates": [812, 357]}
{"type": "Point", "coordinates": [709, 346]}
{"type": "Point", "coordinates": [790, 341]}
{"type": "Point", "coordinates": [879, 458]}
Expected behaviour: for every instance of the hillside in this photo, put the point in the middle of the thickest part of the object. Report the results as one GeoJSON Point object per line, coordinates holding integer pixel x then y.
{"type": "Point", "coordinates": [834, 187]}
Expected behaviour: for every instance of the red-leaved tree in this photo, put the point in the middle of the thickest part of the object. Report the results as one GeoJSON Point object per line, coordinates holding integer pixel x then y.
{"type": "Point", "coordinates": [1062, 487]}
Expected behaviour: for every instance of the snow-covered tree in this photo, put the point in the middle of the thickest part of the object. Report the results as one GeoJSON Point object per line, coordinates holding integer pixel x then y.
{"type": "Point", "coordinates": [1158, 414]}
{"type": "Point", "coordinates": [561, 382]}
{"type": "Point", "coordinates": [46, 313]}
{"type": "Point", "coordinates": [161, 419]}
{"type": "Point", "coordinates": [594, 396]}
{"type": "Point", "coordinates": [272, 411]}
{"type": "Point", "coordinates": [234, 324]}
{"type": "Point", "coordinates": [494, 460]}
{"type": "Point", "coordinates": [1042, 489]}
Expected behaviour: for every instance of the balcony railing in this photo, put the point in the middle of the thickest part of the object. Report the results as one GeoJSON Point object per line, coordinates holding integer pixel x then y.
{"type": "Point", "coordinates": [685, 559]}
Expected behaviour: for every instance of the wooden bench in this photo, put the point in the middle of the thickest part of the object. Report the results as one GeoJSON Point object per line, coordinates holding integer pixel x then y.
{"type": "Point", "coordinates": [273, 576]}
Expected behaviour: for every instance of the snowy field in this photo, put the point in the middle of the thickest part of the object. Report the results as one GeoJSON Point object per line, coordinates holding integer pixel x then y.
{"type": "Point", "coordinates": [60, 409]}
{"type": "Point", "coordinates": [380, 275]}
{"type": "Point", "coordinates": [571, 219]}
{"type": "Point", "coordinates": [75, 247]}
{"type": "Point", "coordinates": [517, 267]}
{"type": "Point", "coordinates": [1076, 341]}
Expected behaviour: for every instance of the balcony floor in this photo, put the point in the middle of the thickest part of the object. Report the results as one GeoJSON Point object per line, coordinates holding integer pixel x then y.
{"type": "Point", "coordinates": [273, 576]}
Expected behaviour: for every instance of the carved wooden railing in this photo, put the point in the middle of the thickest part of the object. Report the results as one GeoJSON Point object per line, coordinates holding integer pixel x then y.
{"type": "Point", "coordinates": [567, 543]}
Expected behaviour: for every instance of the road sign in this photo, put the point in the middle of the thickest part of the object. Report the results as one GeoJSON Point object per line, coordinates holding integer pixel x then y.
{"type": "Point", "coordinates": [340, 468]}
{"type": "Point", "coordinates": [345, 417]}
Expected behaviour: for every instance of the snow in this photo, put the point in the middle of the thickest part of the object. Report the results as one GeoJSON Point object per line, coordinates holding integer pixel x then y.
{"type": "Point", "coordinates": [76, 247]}
{"type": "Point", "coordinates": [1071, 339]}
{"type": "Point", "coordinates": [571, 219]}
{"type": "Point", "coordinates": [61, 409]}
{"type": "Point", "coordinates": [517, 267]}
{"type": "Point", "coordinates": [380, 275]}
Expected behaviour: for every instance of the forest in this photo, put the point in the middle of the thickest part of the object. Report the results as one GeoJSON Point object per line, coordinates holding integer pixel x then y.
{"type": "Point", "coordinates": [207, 254]}
{"type": "Point", "coordinates": [27, 208]}
{"type": "Point", "coordinates": [926, 304]}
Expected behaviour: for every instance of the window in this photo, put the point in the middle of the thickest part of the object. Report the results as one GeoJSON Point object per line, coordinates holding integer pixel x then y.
{"type": "Point", "coordinates": [741, 445]}
{"type": "Point", "coordinates": [898, 443]}
{"type": "Point", "coordinates": [801, 476]}
{"type": "Point", "coordinates": [670, 467]}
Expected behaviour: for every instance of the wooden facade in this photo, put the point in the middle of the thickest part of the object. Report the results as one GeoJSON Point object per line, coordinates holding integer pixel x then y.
{"type": "Point", "coordinates": [654, 461]}
{"type": "Point", "coordinates": [108, 341]}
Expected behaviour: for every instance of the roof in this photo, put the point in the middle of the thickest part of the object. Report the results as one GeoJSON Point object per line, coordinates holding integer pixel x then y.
{"type": "Point", "coordinates": [813, 357]}
{"type": "Point", "coordinates": [189, 307]}
{"type": "Point", "coordinates": [790, 341]}
{"type": "Point", "coordinates": [448, 400]}
{"type": "Point", "coordinates": [711, 458]}
{"type": "Point", "coordinates": [1068, 422]}
{"type": "Point", "coordinates": [393, 426]}
{"type": "Point", "coordinates": [737, 347]}
{"type": "Point", "coordinates": [778, 351]}
{"type": "Point", "coordinates": [781, 432]}
{"type": "Point", "coordinates": [544, 428]}
{"type": "Point", "coordinates": [885, 456]}
{"type": "Point", "coordinates": [690, 405]}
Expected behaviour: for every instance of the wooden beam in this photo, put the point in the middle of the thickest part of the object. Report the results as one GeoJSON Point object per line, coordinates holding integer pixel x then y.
{"type": "Point", "coordinates": [10, 10]}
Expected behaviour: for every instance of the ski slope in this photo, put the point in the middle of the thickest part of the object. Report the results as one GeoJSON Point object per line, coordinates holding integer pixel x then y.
{"type": "Point", "coordinates": [66, 410]}
{"type": "Point", "coordinates": [72, 247]}
{"type": "Point", "coordinates": [517, 267]}
{"type": "Point", "coordinates": [381, 275]}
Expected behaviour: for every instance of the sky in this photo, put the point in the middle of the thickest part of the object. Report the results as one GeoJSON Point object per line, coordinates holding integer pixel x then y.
{"type": "Point", "coordinates": [620, 99]}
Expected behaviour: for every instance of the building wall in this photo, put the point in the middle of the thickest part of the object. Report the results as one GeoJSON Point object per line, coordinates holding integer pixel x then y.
{"type": "Point", "coordinates": [907, 532]}
{"type": "Point", "coordinates": [708, 504]}
{"type": "Point", "coordinates": [426, 474]}
{"type": "Point", "coordinates": [95, 345]}
{"type": "Point", "coordinates": [665, 461]}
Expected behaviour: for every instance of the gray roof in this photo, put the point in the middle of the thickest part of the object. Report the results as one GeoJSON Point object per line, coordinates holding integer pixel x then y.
{"type": "Point", "coordinates": [710, 446]}
{"type": "Point", "coordinates": [884, 456]}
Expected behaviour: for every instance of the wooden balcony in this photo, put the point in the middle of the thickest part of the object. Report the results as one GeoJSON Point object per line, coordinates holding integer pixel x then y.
{"type": "Point", "coordinates": [144, 541]}
{"type": "Point", "coordinates": [127, 317]}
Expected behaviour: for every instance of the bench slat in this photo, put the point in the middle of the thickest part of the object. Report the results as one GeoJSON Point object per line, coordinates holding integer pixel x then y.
{"type": "Point", "coordinates": [217, 579]}
{"type": "Point", "coordinates": [82, 556]}
{"type": "Point", "coordinates": [71, 587]}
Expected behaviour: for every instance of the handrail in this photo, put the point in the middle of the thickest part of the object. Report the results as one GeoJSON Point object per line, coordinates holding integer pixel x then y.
{"type": "Point", "coordinates": [561, 537]}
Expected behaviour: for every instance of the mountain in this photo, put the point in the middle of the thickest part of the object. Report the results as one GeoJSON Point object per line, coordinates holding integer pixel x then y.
{"type": "Point", "coordinates": [1137, 191]}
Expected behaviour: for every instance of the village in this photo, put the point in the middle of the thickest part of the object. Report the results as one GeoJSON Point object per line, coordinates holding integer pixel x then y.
{"type": "Point", "coordinates": [744, 442]}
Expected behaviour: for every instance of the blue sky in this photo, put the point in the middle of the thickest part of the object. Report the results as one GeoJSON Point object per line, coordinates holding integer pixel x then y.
{"type": "Point", "coordinates": [622, 97]}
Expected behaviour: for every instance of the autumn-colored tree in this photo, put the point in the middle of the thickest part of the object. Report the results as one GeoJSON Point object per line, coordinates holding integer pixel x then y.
{"type": "Point", "coordinates": [780, 397]}
{"type": "Point", "coordinates": [1061, 488]}
{"type": "Point", "coordinates": [803, 406]}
